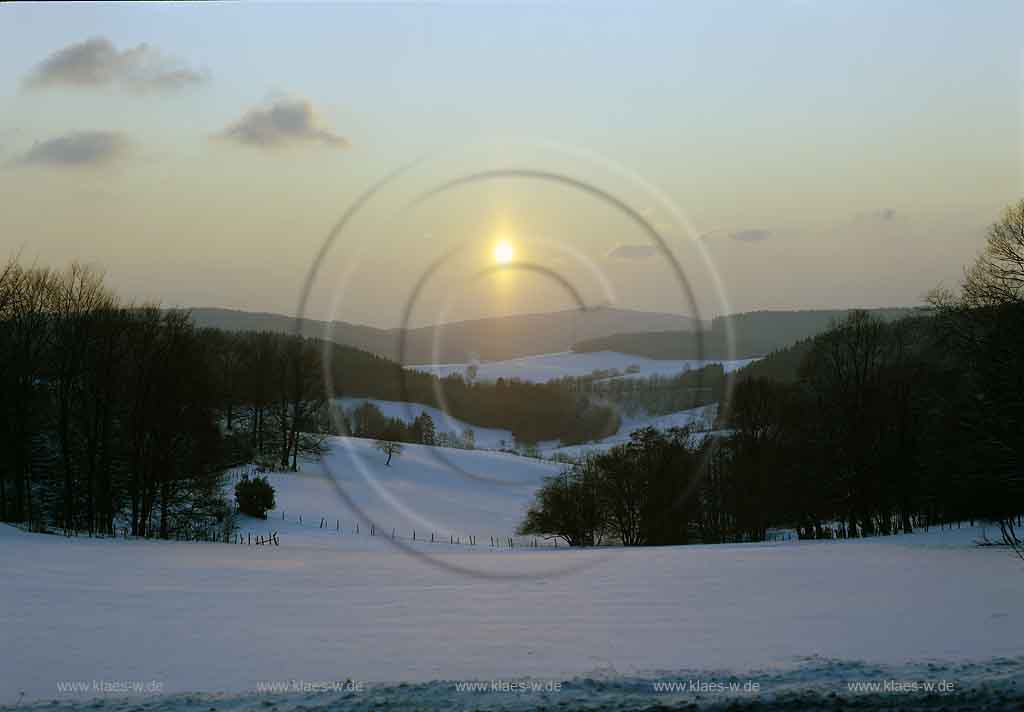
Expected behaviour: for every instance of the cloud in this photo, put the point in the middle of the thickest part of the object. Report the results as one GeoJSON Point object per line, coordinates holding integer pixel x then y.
{"type": "Point", "coordinates": [80, 148]}
{"type": "Point", "coordinates": [633, 252]}
{"type": "Point", "coordinates": [96, 62]}
{"type": "Point", "coordinates": [751, 235]}
{"type": "Point", "coordinates": [881, 215]}
{"type": "Point", "coordinates": [286, 121]}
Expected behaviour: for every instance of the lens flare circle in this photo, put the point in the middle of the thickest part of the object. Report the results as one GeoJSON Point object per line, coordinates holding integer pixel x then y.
{"type": "Point", "coordinates": [505, 255]}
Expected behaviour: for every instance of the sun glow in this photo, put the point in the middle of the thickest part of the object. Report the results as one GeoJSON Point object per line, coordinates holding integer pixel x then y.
{"type": "Point", "coordinates": [504, 252]}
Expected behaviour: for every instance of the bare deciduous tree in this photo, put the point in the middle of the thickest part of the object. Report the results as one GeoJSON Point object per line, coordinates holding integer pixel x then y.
{"type": "Point", "coordinates": [390, 448]}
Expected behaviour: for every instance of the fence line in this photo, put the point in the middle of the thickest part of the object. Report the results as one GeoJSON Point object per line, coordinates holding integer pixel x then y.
{"type": "Point", "coordinates": [496, 542]}
{"type": "Point", "coordinates": [467, 540]}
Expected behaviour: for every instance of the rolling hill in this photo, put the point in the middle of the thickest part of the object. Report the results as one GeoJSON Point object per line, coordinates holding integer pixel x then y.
{"type": "Point", "coordinates": [488, 339]}
{"type": "Point", "coordinates": [756, 334]}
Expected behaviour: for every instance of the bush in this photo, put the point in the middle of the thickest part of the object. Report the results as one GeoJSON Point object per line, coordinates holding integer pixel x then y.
{"type": "Point", "coordinates": [254, 496]}
{"type": "Point", "coordinates": [569, 505]}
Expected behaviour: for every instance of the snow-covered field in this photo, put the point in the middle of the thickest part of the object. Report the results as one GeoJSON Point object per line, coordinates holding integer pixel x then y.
{"type": "Point", "coordinates": [545, 367]}
{"type": "Point", "coordinates": [494, 438]}
{"type": "Point", "coordinates": [702, 418]}
{"type": "Point", "coordinates": [486, 438]}
{"type": "Point", "coordinates": [326, 607]}
{"type": "Point", "coordinates": [443, 491]}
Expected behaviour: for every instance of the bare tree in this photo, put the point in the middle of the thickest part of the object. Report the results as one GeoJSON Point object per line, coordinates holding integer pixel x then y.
{"type": "Point", "coordinates": [984, 323]}
{"type": "Point", "coordinates": [79, 297]}
{"type": "Point", "coordinates": [389, 448]}
{"type": "Point", "coordinates": [300, 400]}
{"type": "Point", "coordinates": [997, 276]}
{"type": "Point", "coordinates": [27, 335]}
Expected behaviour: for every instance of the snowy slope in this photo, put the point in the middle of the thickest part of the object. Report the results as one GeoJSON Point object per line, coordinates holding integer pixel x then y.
{"type": "Point", "coordinates": [433, 490]}
{"type": "Point", "coordinates": [545, 367]}
{"type": "Point", "coordinates": [486, 438]}
{"type": "Point", "coordinates": [494, 439]}
{"type": "Point", "coordinates": [702, 418]}
{"type": "Point", "coordinates": [220, 617]}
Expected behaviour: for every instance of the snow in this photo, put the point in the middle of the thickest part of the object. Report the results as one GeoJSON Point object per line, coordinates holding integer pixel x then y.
{"type": "Point", "coordinates": [813, 684]}
{"type": "Point", "coordinates": [545, 367]}
{"type": "Point", "coordinates": [494, 438]}
{"type": "Point", "coordinates": [702, 418]}
{"type": "Point", "coordinates": [485, 438]}
{"type": "Point", "coordinates": [444, 491]}
{"type": "Point", "coordinates": [329, 606]}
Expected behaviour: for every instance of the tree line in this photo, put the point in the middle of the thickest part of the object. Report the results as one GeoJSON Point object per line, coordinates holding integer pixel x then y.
{"type": "Point", "coordinates": [121, 415]}
{"type": "Point", "coordinates": [873, 427]}
{"type": "Point", "coordinates": [532, 412]}
{"type": "Point", "coordinates": [656, 394]}
{"type": "Point", "coordinates": [743, 335]}
{"type": "Point", "coordinates": [366, 420]}
{"type": "Point", "coordinates": [116, 414]}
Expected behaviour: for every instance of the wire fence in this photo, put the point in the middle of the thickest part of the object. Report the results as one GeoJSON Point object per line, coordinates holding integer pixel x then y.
{"type": "Point", "coordinates": [419, 536]}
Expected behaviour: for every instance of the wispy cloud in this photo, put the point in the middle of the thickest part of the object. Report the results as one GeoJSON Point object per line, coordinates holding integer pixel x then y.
{"type": "Point", "coordinates": [96, 62]}
{"type": "Point", "coordinates": [756, 234]}
{"type": "Point", "coordinates": [633, 252]}
{"type": "Point", "coordinates": [80, 148]}
{"type": "Point", "coordinates": [751, 235]}
{"type": "Point", "coordinates": [285, 122]}
{"type": "Point", "coordinates": [880, 215]}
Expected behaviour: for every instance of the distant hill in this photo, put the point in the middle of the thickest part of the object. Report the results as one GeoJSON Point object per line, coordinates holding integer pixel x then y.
{"type": "Point", "coordinates": [756, 334]}
{"type": "Point", "coordinates": [490, 339]}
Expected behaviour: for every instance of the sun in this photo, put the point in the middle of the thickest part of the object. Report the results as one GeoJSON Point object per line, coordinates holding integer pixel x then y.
{"type": "Point", "coordinates": [504, 252]}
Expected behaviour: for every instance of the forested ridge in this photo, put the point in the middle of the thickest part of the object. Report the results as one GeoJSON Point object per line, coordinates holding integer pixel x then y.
{"type": "Point", "coordinates": [754, 334]}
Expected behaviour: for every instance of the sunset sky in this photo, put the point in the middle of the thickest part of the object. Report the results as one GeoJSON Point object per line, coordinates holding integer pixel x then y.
{"type": "Point", "coordinates": [818, 154]}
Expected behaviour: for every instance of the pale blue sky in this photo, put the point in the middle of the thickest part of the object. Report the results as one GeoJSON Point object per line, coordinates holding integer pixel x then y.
{"type": "Point", "coordinates": [805, 120]}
